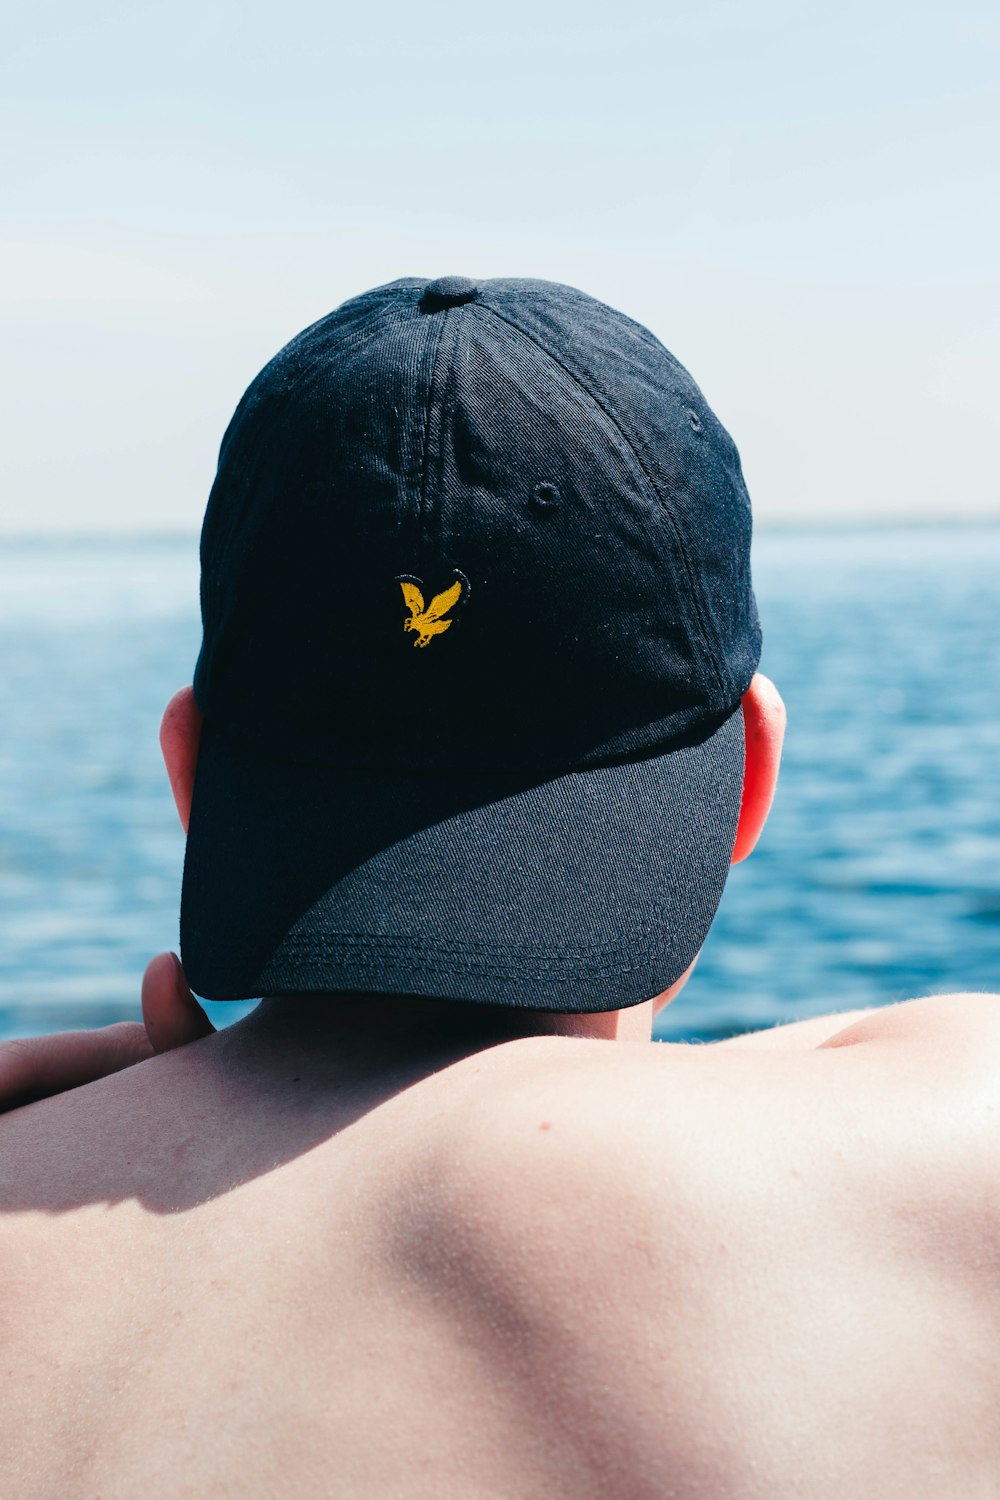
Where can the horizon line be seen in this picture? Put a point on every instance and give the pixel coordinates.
(164, 536)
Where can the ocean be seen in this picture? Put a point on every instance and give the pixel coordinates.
(876, 879)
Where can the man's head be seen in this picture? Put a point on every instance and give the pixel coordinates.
(478, 626)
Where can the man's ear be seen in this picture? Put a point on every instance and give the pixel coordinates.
(764, 731)
(180, 734)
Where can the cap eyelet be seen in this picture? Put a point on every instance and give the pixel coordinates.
(694, 421)
(545, 496)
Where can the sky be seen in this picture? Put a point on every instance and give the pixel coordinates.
(801, 201)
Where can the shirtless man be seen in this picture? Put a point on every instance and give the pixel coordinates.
(477, 1237)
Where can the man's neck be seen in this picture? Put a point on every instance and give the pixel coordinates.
(363, 1035)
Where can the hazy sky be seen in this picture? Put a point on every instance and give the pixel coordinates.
(800, 200)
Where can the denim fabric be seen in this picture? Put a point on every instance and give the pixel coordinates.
(388, 441)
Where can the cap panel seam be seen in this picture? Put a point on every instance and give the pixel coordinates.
(425, 457)
(304, 365)
(646, 335)
(604, 406)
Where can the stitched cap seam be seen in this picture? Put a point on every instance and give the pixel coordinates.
(603, 404)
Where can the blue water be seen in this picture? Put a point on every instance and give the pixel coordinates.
(878, 876)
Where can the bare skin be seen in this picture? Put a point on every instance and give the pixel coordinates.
(416, 1252)
(39, 1066)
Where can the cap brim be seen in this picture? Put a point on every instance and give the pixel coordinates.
(588, 891)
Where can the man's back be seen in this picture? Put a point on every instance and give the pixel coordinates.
(555, 1267)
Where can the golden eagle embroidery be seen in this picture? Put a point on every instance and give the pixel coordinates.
(427, 622)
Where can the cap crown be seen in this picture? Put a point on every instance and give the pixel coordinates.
(531, 455)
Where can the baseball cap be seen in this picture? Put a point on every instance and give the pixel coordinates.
(478, 618)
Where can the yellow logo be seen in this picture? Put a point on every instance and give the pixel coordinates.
(426, 622)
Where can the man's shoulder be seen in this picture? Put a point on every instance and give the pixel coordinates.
(595, 1142)
(681, 1229)
(572, 1092)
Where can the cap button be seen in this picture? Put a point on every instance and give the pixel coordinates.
(448, 291)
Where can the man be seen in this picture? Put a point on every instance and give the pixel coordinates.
(475, 732)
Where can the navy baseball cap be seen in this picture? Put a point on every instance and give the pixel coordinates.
(477, 619)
